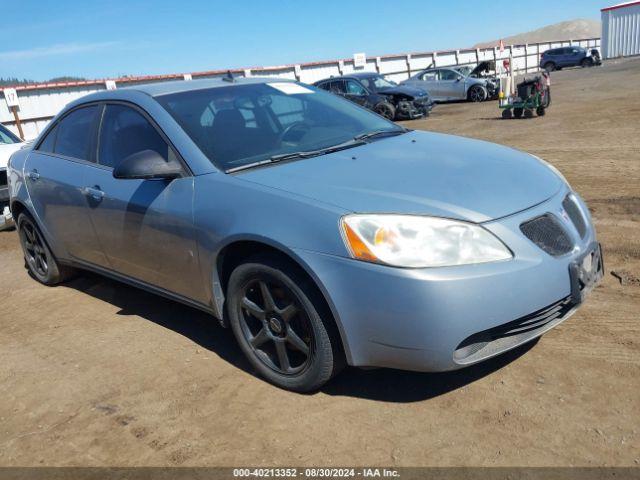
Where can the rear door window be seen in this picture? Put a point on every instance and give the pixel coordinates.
(430, 76)
(75, 133)
(124, 132)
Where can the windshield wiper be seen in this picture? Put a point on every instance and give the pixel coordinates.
(302, 154)
(380, 133)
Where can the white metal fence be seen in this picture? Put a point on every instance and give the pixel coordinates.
(40, 103)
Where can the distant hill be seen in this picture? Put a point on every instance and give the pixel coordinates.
(569, 30)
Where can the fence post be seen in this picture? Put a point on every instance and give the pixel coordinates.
(297, 71)
(340, 66)
(526, 58)
(409, 64)
(477, 55)
(247, 72)
(434, 57)
(18, 124)
(378, 61)
(457, 57)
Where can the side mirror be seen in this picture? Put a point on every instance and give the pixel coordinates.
(458, 78)
(147, 165)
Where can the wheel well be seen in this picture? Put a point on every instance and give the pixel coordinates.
(236, 253)
(16, 209)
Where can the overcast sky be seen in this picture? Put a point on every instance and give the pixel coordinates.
(95, 39)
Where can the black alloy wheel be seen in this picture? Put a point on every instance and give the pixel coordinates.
(281, 325)
(34, 250)
(276, 326)
(39, 260)
(385, 109)
(477, 94)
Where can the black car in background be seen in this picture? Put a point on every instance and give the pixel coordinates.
(373, 91)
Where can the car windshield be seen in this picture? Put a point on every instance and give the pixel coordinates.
(7, 137)
(379, 83)
(242, 125)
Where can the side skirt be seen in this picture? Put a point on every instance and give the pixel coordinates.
(143, 286)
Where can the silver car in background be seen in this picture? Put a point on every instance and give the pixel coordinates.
(448, 83)
(320, 232)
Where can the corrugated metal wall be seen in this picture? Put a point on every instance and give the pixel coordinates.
(621, 31)
(38, 104)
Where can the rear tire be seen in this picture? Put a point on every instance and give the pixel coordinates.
(541, 111)
(528, 113)
(385, 109)
(517, 112)
(549, 66)
(506, 113)
(39, 260)
(281, 325)
(586, 62)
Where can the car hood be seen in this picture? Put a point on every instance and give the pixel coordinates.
(419, 173)
(403, 90)
(6, 149)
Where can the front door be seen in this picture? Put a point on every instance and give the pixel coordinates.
(55, 174)
(357, 93)
(451, 84)
(145, 226)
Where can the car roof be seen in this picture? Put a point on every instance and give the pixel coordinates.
(351, 75)
(177, 86)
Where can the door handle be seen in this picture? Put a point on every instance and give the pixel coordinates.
(94, 192)
(33, 175)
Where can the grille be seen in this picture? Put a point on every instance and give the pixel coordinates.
(509, 334)
(3, 178)
(547, 233)
(575, 215)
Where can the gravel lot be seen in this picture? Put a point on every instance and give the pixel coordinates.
(98, 373)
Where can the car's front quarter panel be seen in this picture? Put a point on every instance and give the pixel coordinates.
(229, 209)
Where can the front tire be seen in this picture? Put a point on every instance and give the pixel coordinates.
(38, 258)
(281, 325)
(517, 112)
(477, 94)
(387, 110)
(549, 66)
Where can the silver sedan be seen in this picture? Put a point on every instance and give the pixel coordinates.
(444, 84)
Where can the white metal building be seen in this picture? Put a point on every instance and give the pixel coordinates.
(621, 30)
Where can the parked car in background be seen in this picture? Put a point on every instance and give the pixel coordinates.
(447, 83)
(325, 233)
(9, 143)
(387, 98)
(558, 58)
(485, 71)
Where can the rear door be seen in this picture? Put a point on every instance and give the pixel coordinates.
(55, 173)
(145, 226)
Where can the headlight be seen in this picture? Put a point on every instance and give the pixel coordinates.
(416, 241)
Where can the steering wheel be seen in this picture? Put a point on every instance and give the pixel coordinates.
(299, 125)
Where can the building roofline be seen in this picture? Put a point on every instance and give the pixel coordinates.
(620, 5)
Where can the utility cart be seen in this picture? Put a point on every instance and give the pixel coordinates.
(533, 94)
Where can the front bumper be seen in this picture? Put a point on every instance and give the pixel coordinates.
(424, 319)
(408, 109)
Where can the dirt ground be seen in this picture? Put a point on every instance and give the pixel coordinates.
(96, 373)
